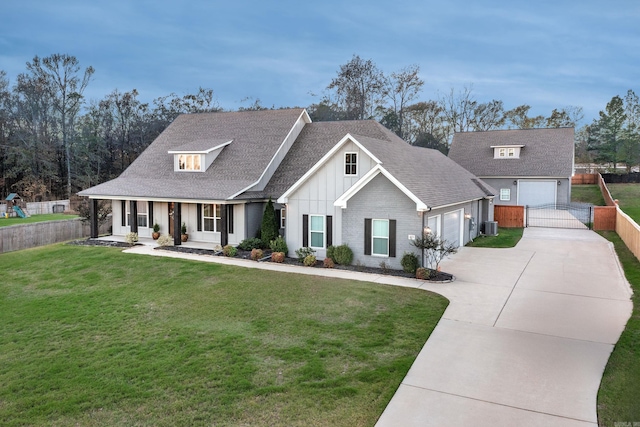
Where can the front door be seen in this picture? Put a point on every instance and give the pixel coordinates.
(170, 218)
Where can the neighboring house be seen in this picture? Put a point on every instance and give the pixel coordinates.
(526, 166)
(351, 182)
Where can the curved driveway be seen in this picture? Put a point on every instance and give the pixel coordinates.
(525, 339)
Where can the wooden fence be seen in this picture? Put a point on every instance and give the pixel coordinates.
(608, 200)
(604, 218)
(25, 236)
(628, 231)
(509, 216)
(584, 178)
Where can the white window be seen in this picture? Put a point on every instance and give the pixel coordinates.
(188, 162)
(511, 152)
(505, 194)
(316, 231)
(283, 217)
(211, 217)
(507, 152)
(502, 152)
(351, 164)
(380, 237)
(143, 214)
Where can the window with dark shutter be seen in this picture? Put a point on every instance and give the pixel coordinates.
(329, 230)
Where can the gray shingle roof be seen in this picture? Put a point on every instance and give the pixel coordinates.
(256, 137)
(431, 176)
(546, 152)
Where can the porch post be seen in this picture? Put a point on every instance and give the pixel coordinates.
(93, 217)
(133, 219)
(177, 223)
(224, 230)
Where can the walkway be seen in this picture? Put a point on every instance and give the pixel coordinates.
(524, 340)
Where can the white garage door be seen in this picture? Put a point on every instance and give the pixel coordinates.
(452, 229)
(536, 193)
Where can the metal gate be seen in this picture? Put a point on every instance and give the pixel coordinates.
(575, 215)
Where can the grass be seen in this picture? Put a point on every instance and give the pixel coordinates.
(91, 336)
(587, 194)
(34, 218)
(619, 394)
(628, 196)
(506, 238)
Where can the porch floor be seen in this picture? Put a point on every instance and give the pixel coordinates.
(147, 241)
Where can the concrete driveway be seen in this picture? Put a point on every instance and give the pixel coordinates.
(525, 339)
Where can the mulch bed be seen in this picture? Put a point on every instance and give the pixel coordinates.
(439, 277)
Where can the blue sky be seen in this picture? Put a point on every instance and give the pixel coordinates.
(548, 54)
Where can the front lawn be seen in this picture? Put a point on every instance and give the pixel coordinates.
(34, 218)
(91, 336)
(506, 238)
(628, 196)
(619, 394)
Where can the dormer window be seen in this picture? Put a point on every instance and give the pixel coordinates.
(506, 151)
(189, 162)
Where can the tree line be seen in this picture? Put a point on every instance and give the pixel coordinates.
(54, 142)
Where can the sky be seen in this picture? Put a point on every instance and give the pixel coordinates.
(547, 54)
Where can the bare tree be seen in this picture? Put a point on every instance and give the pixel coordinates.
(60, 72)
(358, 88)
(402, 87)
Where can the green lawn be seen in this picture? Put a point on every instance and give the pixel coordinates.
(619, 394)
(628, 196)
(91, 336)
(506, 238)
(34, 218)
(587, 194)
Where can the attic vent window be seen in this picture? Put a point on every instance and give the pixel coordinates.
(351, 164)
(507, 152)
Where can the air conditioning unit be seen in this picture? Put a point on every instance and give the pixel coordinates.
(491, 228)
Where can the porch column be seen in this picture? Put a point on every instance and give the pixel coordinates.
(133, 219)
(177, 223)
(224, 229)
(93, 217)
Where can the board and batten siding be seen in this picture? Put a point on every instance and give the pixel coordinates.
(317, 195)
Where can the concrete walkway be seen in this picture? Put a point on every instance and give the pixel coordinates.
(524, 340)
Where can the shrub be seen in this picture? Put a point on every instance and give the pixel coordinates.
(423, 273)
(269, 227)
(256, 254)
(328, 263)
(165, 240)
(183, 229)
(384, 267)
(156, 228)
(302, 253)
(310, 260)
(250, 244)
(229, 251)
(410, 262)
(331, 252)
(277, 257)
(279, 245)
(131, 238)
(342, 255)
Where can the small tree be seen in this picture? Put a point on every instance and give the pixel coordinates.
(434, 249)
(269, 227)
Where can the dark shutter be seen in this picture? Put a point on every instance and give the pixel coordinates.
(151, 221)
(367, 236)
(392, 238)
(133, 219)
(279, 217)
(305, 230)
(199, 215)
(224, 233)
(329, 230)
(230, 219)
(123, 216)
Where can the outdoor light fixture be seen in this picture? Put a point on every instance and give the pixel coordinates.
(515, 182)
(467, 216)
(558, 183)
(427, 230)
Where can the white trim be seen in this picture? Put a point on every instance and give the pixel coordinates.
(362, 182)
(200, 151)
(508, 146)
(303, 116)
(322, 161)
(324, 231)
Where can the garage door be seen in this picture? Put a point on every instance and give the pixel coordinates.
(537, 193)
(452, 230)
